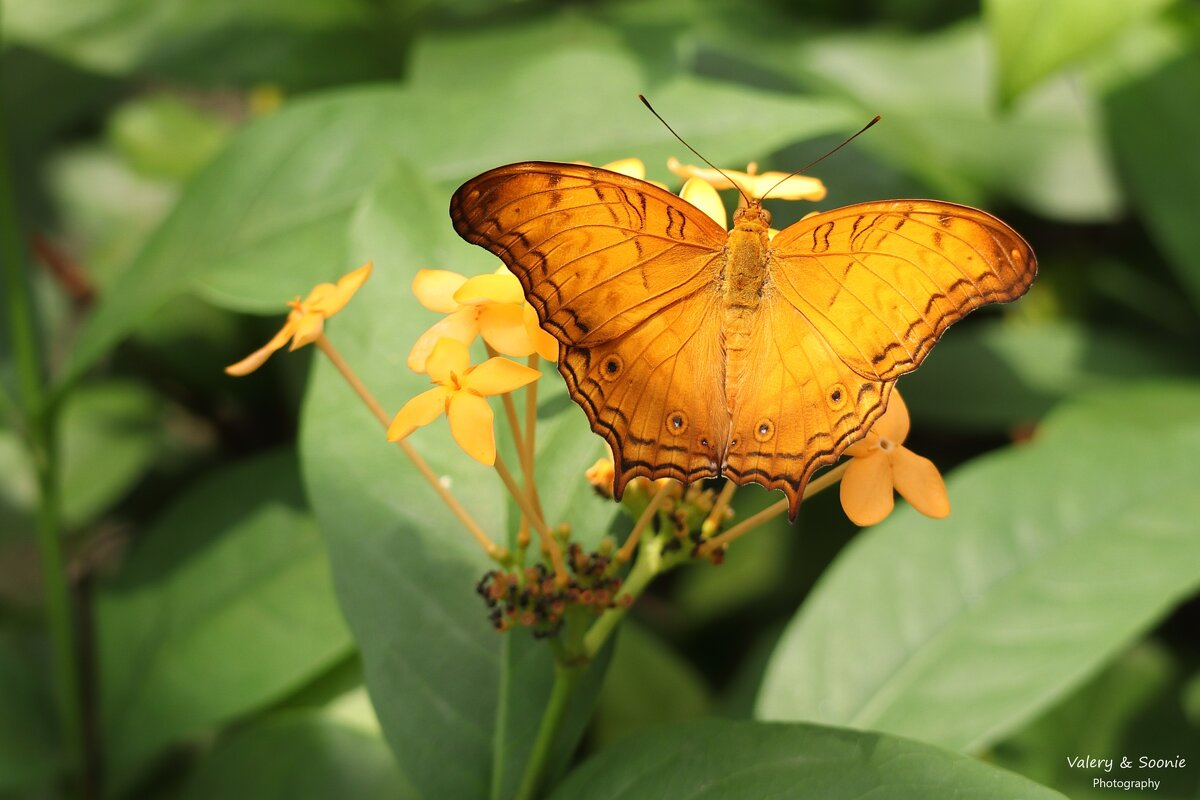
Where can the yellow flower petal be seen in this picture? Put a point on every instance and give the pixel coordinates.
(259, 356)
(333, 301)
(499, 376)
(462, 325)
(633, 167)
(471, 425)
(421, 410)
(449, 358)
(545, 344)
(490, 289)
(703, 196)
(502, 325)
(919, 482)
(435, 289)
(864, 447)
(894, 423)
(308, 328)
(867, 490)
(796, 187)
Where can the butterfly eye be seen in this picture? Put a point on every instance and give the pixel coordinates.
(837, 396)
(612, 367)
(677, 422)
(764, 431)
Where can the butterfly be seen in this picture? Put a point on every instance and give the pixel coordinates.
(697, 352)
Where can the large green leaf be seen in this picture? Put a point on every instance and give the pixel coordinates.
(933, 92)
(224, 606)
(1034, 39)
(267, 218)
(730, 760)
(299, 755)
(1057, 555)
(996, 374)
(1132, 708)
(1146, 120)
(299, 43)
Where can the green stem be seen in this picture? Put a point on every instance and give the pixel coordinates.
(650, 563)
(39, 416)
(566, 678)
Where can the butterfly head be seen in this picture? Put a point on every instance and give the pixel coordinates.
(752, 217)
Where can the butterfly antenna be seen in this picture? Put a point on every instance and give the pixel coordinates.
(732, 182)
(822, 158)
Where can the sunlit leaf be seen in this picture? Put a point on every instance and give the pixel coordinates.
(1057, 554)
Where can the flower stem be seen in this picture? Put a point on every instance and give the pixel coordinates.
(770, 512)
(422, 466)
(643, 522)
(566, 678)
(650, 562)
(38, 413)
(717, 515)
(549, 545)
(523, 443)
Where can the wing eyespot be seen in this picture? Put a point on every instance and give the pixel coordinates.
(837, 396)
(764, 430)
(677, 423)
(613, 367)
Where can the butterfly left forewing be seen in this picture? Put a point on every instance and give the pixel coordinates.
(597, 252)
(882, 281)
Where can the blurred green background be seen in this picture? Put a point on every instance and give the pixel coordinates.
(244, 555)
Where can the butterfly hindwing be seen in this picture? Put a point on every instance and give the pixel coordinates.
(655, 394)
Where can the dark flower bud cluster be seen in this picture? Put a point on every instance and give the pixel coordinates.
(533, 599)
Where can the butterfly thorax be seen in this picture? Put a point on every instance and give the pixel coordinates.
(743, 285)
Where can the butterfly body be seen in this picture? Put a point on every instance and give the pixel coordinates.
(697, 352)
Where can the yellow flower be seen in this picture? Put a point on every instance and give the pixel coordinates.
(600, 475)
(306, 320)
(459, 394)
(492, 306)
(795, 187)
(881, 463)
(703, 195)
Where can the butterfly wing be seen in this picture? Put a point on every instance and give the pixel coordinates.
(882, 281)
(622, 273)
(798, 405)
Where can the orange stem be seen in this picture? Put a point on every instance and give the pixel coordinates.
(770, 512)
(422, 466)
(549, 545)
(643, 522)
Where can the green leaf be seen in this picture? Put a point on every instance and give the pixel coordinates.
(163, 136)
(300, 43)
(111, 434)
(1033, 39)
(296, 756)
(1131, 708)
(723, 759)
(1142, 114)
(648, 683)
(996, 374)
(268, 218)
(1057, 555)
(938, 123)
(224, 607)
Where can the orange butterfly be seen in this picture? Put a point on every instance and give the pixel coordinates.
(697, 352)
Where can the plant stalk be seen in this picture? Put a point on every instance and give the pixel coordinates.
(566, 678)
